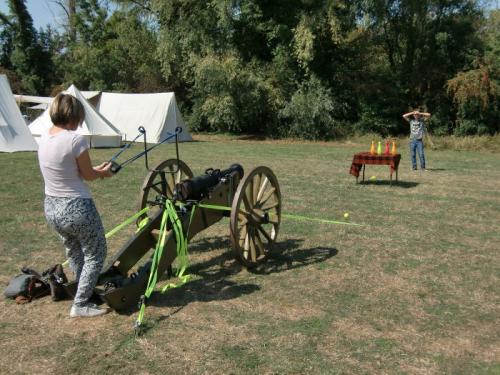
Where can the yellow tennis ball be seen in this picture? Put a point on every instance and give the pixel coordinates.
(346, 215)
(373, 178)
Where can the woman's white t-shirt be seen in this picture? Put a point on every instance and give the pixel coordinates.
(57, 155)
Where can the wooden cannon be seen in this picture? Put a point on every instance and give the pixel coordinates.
(251, 200)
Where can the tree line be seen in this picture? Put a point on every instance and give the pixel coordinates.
(284, 68)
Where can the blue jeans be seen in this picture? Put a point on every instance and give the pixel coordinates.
(416, 145)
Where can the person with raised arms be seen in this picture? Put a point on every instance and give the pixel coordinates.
(417, 130)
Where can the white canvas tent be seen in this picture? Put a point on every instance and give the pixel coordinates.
(157, 113)
(98, 131)
(14, 134)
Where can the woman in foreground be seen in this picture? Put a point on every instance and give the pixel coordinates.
(65, 163)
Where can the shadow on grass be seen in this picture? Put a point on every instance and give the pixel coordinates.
(209, 243)
(288, 255)
(285, 255)
(399, 184)
(213, 284)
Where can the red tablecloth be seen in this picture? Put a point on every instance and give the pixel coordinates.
(366, 158)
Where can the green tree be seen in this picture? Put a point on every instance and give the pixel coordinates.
(25, 51)
(476, 92)
(423, 44)
(111, 52)
(245, 61)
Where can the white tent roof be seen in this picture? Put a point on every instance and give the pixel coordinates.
(90, 94)
(98, 131)
(43, 106)
(48, 99)
(33, 99)
(14, 134)
(157, 113)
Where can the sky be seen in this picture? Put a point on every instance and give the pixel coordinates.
(43, 12)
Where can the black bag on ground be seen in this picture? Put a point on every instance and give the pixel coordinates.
(30, 284)
(26, 286)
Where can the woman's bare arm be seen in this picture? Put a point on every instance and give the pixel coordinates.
(90, 173)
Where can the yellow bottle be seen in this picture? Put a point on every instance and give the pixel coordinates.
(394, 150)
(372, 148)
(379, 148)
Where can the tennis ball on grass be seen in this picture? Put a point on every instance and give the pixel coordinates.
(373, 178)
(346, 215)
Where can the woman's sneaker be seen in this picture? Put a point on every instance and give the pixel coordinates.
(87, 311)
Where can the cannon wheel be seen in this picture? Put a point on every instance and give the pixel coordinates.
(153, 185)
(255, 216)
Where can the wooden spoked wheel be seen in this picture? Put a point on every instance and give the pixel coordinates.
(255, 216)
(154, 185)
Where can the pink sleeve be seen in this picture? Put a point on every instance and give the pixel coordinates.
(79, 145)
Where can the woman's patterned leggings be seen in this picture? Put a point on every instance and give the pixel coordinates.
(79, 225)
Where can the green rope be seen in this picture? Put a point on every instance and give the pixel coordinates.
(153, 273)
(214, 207)
(298, 217)
(128, 221)
(182, 256)
(181, 248)
(288, 216)
(169, 214)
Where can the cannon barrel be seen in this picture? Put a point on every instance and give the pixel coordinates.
(198, 187)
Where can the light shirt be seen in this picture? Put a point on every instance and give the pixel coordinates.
(417, 129)
(57, 158)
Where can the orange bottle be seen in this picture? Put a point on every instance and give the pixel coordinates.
(394, 151)
(372, 148)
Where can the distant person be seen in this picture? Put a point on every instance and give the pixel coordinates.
(65, 163)
(417, 129)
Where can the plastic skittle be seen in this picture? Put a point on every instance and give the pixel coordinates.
(393, 151)
(372, 148)
(386, 151)
(379, 148)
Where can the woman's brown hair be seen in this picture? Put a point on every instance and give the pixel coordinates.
(66, 110)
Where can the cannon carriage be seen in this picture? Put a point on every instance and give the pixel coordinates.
(251, 201)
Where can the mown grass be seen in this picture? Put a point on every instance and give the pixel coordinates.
(413, 291)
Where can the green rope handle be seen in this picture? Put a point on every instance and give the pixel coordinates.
(153, 273)
(169, 214)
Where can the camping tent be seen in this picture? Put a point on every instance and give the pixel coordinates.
(98, 131)
(14, 134)
(157, 113)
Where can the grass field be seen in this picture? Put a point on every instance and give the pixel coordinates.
(416, 290)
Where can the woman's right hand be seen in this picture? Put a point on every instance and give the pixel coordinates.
(104, 169)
